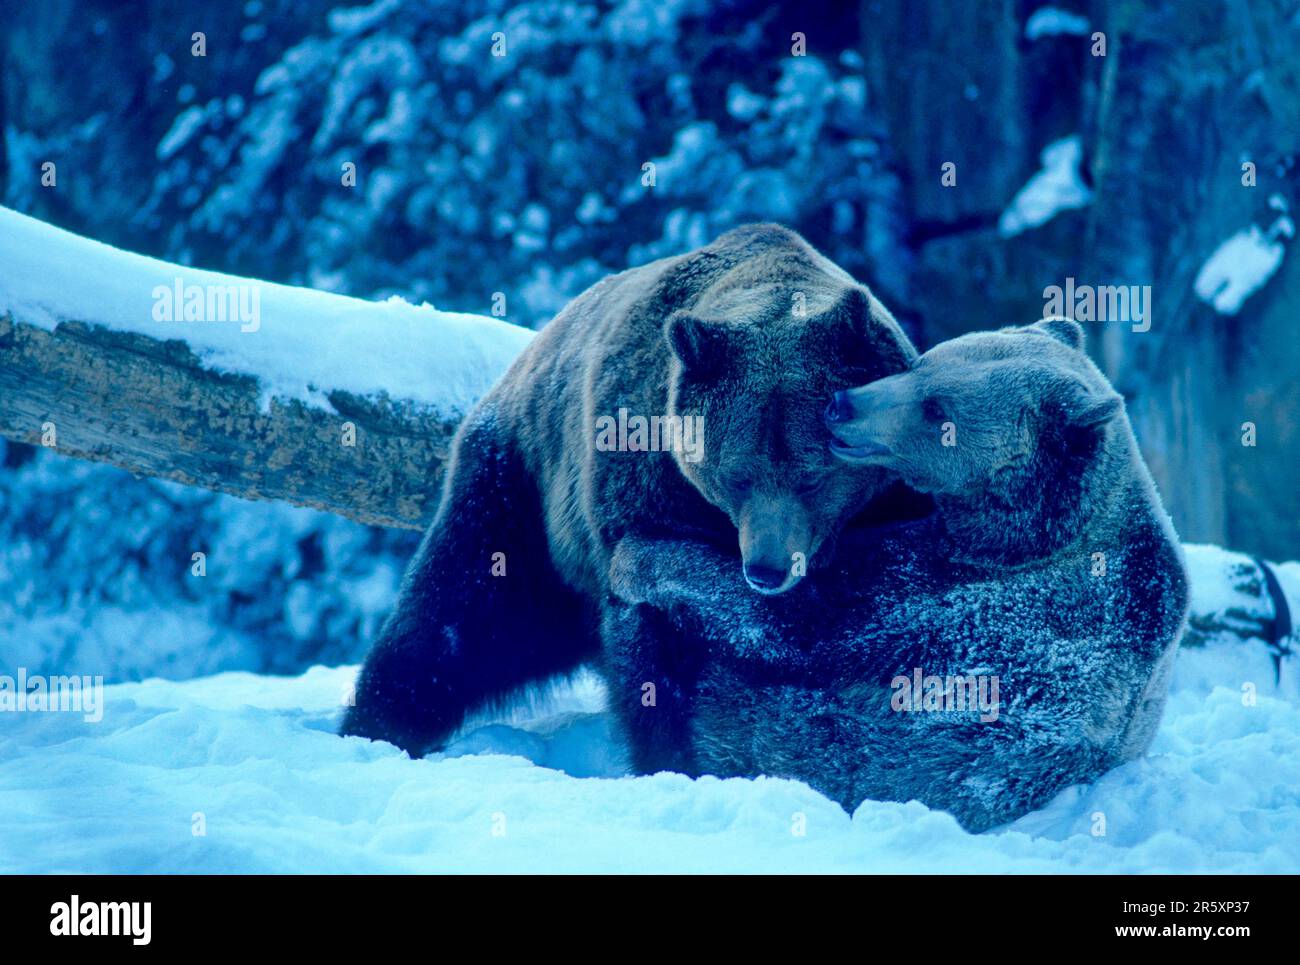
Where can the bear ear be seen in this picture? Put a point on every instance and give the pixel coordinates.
(1088, 409)
(699, 344)
(868, 336)
(852, 312)
(1062, 329)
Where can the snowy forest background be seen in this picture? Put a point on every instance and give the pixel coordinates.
(522, 175)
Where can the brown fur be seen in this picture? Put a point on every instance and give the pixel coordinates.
(752, 333)
(760, 386)
(1049, 566)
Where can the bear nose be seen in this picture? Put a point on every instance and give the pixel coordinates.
(839, 410)
(762, 577)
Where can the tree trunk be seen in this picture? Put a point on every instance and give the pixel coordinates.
(154, 409)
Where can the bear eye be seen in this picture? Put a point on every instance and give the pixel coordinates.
(933, 411)
(809, 488)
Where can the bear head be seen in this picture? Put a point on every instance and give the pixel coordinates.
(980, 412)
(757, 382)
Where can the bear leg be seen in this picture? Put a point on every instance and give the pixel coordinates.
(481, 612)
(651, 678)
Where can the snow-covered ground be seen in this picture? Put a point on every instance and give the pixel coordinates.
(253, 763)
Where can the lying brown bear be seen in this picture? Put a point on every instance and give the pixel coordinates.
(1049, 578)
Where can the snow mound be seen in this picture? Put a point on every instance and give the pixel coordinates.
(253, 763)
(298, 342)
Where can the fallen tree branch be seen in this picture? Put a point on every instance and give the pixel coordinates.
(1230, 599)
(290, 400)
(154, 409)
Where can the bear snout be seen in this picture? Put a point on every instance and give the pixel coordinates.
(765, 579)
(839, 410)
(774, 530)
(860, 420)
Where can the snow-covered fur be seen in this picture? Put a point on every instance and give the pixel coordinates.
(1049, 565)
(747, 336)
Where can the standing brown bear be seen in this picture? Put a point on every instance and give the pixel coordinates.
(594, 434)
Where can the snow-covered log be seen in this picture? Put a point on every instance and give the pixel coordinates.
(247, 387)
(1231, 598)
(267, 391)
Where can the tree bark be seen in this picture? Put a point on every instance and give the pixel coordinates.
(152, 408)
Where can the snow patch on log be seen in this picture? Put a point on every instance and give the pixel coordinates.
(302, 344)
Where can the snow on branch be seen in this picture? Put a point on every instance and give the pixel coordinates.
(247, 387)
